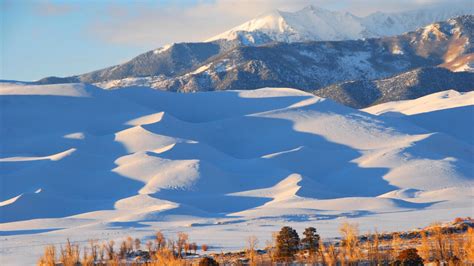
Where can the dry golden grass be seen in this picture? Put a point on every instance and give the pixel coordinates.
(451, 244)
(329, 254)
(49, 256)
(69, 254)
(425, 248)
(350, 251)
(469, 245)
(166, 257)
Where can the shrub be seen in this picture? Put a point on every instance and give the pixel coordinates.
(208, 261)
(166, 257)
(69, 255)
(409, 257)
(49, 257)
(469, 245)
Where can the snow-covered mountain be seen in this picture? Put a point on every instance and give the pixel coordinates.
(317, 24)
(313, 66)
(180, 66)
(85, 163)
(308, 24)
(189, 67)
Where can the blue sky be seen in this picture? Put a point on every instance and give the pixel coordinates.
(61, 38)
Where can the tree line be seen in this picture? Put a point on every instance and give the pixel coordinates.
(442, 245)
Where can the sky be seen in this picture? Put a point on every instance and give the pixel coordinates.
(42, 38)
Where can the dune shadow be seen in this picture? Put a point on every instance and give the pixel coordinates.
(459, 122)
(125, 225)
(202, 106)
(328, 169)
(215, 204)
(28, 232)
(84, 182)
(78, 183)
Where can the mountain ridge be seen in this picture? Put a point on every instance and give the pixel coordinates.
(309, 66)
(315, 65)
(314, 23)
(176, 59)
(408, 85)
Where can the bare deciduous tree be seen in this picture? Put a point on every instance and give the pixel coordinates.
(109, 248)
(137, 244)
(350, 243)
(160, 240)
(181, 242)
(251, 251)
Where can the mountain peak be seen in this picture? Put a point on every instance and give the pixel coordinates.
(314, 8)
(314, 23)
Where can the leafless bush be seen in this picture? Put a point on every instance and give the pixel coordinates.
(49, 256)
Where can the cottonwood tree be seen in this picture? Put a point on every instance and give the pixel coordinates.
(251, 251)
(287, 244)
(171, 245)
(102, 249)
(187, 248)
(439, 241)
(87, 259)
(129, 244)
(137, 244)
(425, 247)
(94, 247)
(350, 243)
(181, 242)
(69, 255)
(329, 254)
(373, 248)
(123, 250)
(194, 247)
(468, 246)
(149, 246)
(109, 248)
(160, 240)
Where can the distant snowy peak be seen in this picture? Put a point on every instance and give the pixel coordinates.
(386, 24)
(310, 23)
(317, 24)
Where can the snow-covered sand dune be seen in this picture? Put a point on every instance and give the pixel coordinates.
(79, 162)
(441, 112)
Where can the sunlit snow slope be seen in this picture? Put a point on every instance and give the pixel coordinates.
(80, 162)
(313, 23)
(439, 112)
